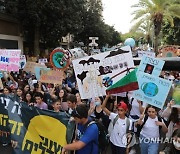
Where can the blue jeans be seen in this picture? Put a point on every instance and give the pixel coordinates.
(148, 147)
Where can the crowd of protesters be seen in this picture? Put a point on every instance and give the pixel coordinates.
(119, 114)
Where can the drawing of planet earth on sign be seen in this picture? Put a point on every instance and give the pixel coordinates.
(150, 89)
(60, 59)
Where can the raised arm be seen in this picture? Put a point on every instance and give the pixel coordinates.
(91, 109)
(166, 113)
(141, 108)
(104, 105)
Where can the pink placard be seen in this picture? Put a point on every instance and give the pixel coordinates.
(9, 60)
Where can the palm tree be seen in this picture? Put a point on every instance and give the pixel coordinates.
(145, 28)
(156, 11)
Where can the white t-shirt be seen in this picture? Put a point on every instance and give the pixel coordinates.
(150, 129)
(119, 130)
(135, 107)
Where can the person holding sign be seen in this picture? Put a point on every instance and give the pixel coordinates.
(121, 126)
(149, 126)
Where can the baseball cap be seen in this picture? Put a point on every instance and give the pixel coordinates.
(122, 105)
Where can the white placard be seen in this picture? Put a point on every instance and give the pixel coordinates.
(92, 71)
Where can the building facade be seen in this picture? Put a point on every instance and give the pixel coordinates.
(10, 33)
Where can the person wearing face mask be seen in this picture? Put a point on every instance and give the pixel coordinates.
(97, 111)
(174, 147)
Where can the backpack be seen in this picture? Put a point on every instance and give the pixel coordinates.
(127, 122)
(112, 123)
(139, 127)
(103, 136)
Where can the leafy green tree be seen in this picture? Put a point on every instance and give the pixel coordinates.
(93, 25)
(171, 35)
(144, 30)
(45, 21)
(156, 11)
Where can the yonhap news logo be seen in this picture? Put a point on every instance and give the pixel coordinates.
(130, 139)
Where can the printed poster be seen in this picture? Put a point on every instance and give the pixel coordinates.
(94, 74)
(151, 65)
(152, 90)
(9, 60)
(22, 62)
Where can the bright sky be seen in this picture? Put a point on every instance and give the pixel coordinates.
(117, 13)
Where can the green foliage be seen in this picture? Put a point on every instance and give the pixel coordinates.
(134, 35)
(156, 11)
(46, 21)
(93, 25)
(171, 35)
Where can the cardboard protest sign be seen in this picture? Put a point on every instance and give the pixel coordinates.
(32, 59)
(22, 61)
(147, 53)
(152, 90)
(1, 74)
(38, 71)
(9, 60)
(150, 65)
(51, 76)
(94, 74)
(30, 67)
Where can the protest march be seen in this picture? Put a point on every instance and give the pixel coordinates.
(101, 103)
(89, 77)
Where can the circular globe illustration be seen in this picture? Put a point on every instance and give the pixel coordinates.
(59, 59)
(150, 89)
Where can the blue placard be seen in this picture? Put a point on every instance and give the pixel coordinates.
(1, 74)
(152, 90)
(151, 65)
(37, 71)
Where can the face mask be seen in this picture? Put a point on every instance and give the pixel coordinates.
(97, 103)
(176, 144)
